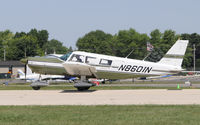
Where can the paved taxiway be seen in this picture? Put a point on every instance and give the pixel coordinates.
(99, 97)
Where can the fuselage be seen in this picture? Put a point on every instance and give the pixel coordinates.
(100, 66)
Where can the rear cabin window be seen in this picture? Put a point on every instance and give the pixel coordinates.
(105, 62)
(77, 58)
(90, 60)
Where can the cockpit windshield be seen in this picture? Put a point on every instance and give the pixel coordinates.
(66, 56)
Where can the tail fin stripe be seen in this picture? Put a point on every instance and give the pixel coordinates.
(173, 56)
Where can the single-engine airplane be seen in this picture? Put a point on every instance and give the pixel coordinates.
(89, 65)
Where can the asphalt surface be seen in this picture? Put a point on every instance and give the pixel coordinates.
(100, 97)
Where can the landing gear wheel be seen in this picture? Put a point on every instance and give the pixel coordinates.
(36, 87)
(82, 88)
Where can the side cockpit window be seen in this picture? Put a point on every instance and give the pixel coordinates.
(105, 62)
(77, 58)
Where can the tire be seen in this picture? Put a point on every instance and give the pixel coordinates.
(83, 88)
(36, 87)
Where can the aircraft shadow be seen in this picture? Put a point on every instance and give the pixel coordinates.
(76, 91)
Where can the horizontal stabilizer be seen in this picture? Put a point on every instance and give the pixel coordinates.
(20, 72)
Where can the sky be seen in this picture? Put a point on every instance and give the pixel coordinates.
(68, 20)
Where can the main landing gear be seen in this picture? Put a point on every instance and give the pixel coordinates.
(36, 87)
(83, 85)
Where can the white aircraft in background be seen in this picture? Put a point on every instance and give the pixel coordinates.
(154, 77)
(89, 65)
(35, 77)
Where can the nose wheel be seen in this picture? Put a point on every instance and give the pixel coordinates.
(36, 87)
(38, 84)
(82, 88)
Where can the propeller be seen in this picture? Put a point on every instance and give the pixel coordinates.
(25, 61)
(26, 69)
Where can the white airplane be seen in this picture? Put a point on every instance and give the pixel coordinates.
(35, 77)
(89, 65)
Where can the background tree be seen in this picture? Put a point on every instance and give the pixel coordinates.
(155, 40)
(193, 38)
(5, 37)
(155, 37)
(55, 46)
(70, 49)
(22, 47)
(162, 42)
(95, 42)
(42, 36)
(128, 40)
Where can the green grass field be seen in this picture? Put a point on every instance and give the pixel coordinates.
(100, 115)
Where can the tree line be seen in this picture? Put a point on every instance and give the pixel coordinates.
(33, 43)
(36, 43)
(125, 41)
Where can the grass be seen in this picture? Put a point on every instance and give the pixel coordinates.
(101, 115)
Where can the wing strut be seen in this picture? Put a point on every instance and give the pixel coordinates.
(129, 53)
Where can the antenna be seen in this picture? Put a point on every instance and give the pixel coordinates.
(129, 53)
(146, 56)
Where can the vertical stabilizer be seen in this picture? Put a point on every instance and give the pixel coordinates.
(175, 54)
